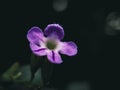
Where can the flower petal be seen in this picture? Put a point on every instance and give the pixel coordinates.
(69, 48)
(38, 50)
(54, 30)
(54, 57)
(35, 34)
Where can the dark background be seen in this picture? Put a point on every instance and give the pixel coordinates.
(97, 60)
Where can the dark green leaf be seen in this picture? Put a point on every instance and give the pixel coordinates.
(24, 74)
(8, 75)
(37, 81)
(47, 70)
(36, 62)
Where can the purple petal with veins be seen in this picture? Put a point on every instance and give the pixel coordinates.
(37, 50)
(69, 48)
(35, 35)
(54, 30)
(40, 49)
(53, 55)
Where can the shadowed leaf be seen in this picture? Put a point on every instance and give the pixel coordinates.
(47, 70)
(8, 75)
(36, 62)
(43, 63)
(26, 76)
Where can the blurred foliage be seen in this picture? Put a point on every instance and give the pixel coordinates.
(44, 64)
(36, 74)
(22, 74)
(35, 63)
(47, 69)
(9, 74)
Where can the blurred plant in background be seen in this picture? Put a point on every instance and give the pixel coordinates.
(112, 26)
(78, 86)
(60, 5)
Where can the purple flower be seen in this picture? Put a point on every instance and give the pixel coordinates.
(49, 43)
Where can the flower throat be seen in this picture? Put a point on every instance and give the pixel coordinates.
(51, 45)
